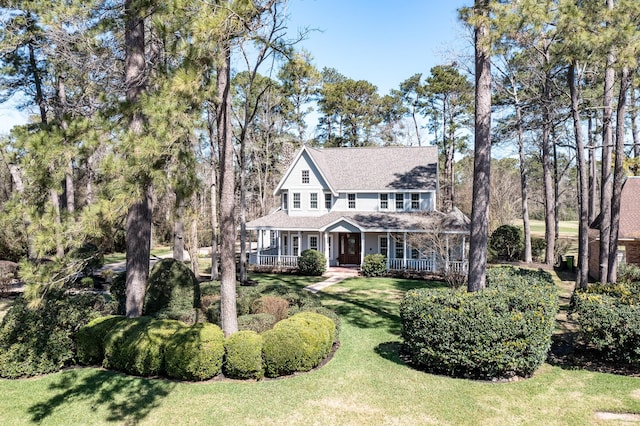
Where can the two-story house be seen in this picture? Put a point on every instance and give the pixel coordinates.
(350, 202)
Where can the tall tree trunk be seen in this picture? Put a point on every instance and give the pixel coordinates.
(69, 185)
(633, 116)
(606, 182)
(524, 188)
(482, 156)
(16, 175)
(582, 278)
(593, 179)
(55, 202)
(213, 190)
(37, 83)
(228, 315)
(549, 197)
(178, 229)
(243, 211)
(139, 215)
(194, 241)
(619, 176)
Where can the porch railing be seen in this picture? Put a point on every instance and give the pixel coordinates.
(273, 260)
(426, 265)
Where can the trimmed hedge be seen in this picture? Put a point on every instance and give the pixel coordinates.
(173, 292)
(42, 340)
(256, 322)
(322, 311)
(298, 343)
(499, 332)
(609, 319)
(312, 263)
(243, 355)
(374, 265)
(195, 353)
(90, 339)
(137, 345)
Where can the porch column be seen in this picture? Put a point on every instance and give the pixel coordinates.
(325, 242)
(259, 245)
(299, 243)
(464, 242)
(388, 248)
(362, 248)
(404, 250)
(279, 246)
(446, 267)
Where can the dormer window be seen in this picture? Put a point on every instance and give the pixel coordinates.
(285, 201)
(313, 201)
(305, 176)
(296, 200)
(327, 201)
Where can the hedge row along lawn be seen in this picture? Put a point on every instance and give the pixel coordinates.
(365, 383)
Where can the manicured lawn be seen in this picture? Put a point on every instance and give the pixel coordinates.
(365, 383)
(568, 229)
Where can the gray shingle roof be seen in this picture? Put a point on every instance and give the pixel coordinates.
(367, 221)
(378, 168)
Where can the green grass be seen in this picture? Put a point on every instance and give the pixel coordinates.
(568, 229)
(121, 257)
(365, 383)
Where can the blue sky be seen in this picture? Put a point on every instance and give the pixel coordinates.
(381, 41)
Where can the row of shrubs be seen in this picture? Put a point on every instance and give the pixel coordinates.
(499, 332)
(608, 316)
(149, 347)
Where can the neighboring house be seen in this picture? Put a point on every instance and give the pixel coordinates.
(350, 202)
(629, 233)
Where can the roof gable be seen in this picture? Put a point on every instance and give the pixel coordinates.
(379, 168)
(303, 155)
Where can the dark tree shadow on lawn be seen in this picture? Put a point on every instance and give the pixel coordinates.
(128, 399)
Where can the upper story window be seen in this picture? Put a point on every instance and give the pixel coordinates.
(384, 201)
(400, 201)
(285, 201)
(415, 201)
(296, 200)
(305, 176)
(327, 201)
(351, 201)
(313, 200)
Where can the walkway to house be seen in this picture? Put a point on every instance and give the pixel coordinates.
(334, 275)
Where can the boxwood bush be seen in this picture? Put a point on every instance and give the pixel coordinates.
(374, 265)
(608, 317)
(42, 340)
(506, 241)
(173, 292)
(90, 339)
(243, 355)
(298, 343)
(137, 345)
(195, 353)
(312, 263)
(499, 332)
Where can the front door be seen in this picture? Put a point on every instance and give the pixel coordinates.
(349, 253)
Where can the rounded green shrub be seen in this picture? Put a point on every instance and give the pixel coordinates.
(137, 345)
(90, 339)
(608, 317)
(173, 292)
(312, 263)
(506, 241)
(243, 355)
(195, 353)
(322, 311)
(256, 322)
(42, 340)
(374, 265)
(298, 343)
(499, 332)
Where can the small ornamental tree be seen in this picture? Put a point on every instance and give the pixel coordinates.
(506, 240)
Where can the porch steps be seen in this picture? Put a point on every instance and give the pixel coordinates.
(334, 275)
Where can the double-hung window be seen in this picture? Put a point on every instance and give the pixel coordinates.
(313, 242)
(415, 201)
(400, 201)
(296, 200)
(351, 203)
(285, 201)
(384, 201)
(327, 201)
(384, 246)
(399, 250)
(313, 200)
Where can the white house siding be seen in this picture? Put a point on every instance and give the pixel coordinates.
(293, 184)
